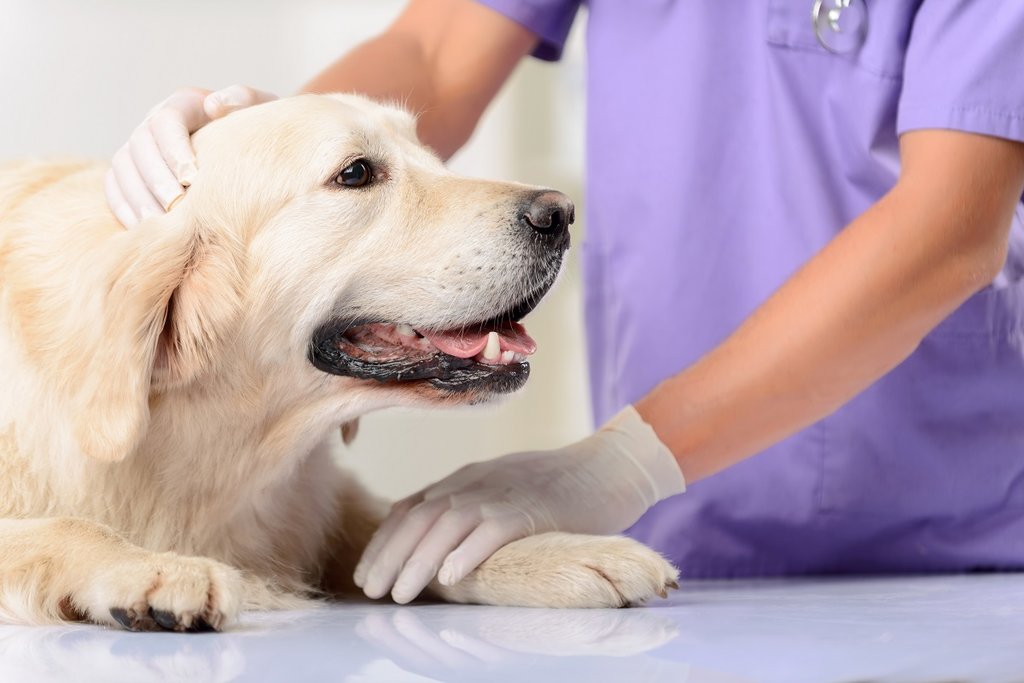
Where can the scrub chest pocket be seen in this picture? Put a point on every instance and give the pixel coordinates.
(870, 35)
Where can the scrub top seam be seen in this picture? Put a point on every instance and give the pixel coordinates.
(820, 52)
(1001, 113)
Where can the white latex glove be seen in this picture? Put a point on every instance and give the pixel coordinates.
(600, 485)
(150, 172)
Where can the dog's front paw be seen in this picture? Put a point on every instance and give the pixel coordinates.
(618, 572)
(567, 570)
(163, 591)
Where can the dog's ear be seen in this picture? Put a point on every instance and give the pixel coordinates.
(200, 313)
(183, 295)
(128, 309)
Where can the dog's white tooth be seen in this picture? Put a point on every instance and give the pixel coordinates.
(493, 349)
(405, 330)
(519, 357)
(508, 356)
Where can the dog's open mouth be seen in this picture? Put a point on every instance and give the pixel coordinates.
(490, 355)
(387, 342)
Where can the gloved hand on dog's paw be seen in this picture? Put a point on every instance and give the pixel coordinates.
(150, 171)
(599, 485)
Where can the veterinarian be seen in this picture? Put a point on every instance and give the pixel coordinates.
(805, 241)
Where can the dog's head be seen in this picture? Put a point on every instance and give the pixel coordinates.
(323, 249)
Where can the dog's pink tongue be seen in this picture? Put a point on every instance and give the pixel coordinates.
(461, 345)
(468, 343)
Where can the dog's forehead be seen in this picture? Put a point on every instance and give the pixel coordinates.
(313, 132)
(329, 126)
(358, 114)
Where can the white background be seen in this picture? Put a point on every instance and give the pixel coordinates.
(77, 75)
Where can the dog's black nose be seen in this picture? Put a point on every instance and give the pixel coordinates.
(550, 213)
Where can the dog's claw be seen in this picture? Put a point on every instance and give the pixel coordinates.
(165, 619)
(157, 620)
(132, 620)
(121, 616)
(200, 625)
(170, 622)
(671, 584)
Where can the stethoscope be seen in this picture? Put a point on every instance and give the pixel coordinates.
(840, 25)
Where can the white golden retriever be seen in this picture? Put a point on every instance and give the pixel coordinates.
(169, 392)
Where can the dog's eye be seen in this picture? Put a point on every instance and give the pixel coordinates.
(356, 174)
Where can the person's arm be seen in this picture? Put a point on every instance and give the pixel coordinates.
(847, 317)
(444, 60)
(855, 311)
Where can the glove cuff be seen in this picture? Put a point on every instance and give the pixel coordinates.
(637, 440)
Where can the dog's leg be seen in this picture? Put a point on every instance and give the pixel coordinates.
(68, 569)
(566, 570)
(548, 570)
(359, 514)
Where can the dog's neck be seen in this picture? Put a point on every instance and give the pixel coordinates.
(221, 476)
(233, 438)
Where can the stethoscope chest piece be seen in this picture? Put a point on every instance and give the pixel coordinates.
(841, 26)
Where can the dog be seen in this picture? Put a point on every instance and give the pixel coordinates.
(171, 394)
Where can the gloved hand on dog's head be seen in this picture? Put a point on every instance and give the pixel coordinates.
(150, 171)
(600, 485)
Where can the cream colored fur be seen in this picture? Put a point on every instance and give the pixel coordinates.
(165, 444)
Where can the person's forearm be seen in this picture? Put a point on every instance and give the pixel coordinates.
(393, 68)
(850, 315)
(443, 60)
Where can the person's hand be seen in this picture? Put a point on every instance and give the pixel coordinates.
(599, 485)
(151, 171)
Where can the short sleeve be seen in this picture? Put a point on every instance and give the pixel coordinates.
(550, 20)
(964, 68)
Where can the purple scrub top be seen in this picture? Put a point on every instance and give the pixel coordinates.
(726, 146)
